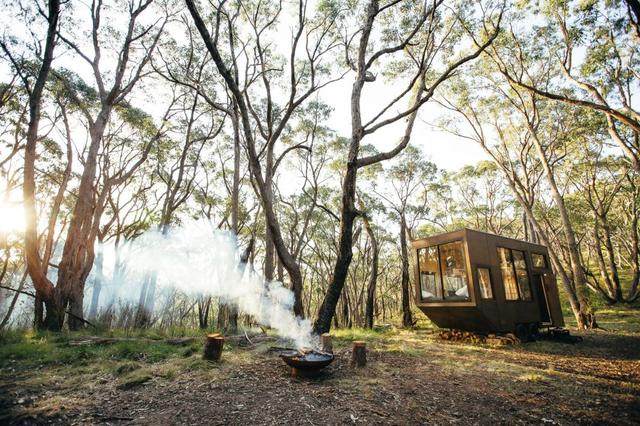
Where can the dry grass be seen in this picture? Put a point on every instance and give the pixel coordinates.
(411, 377)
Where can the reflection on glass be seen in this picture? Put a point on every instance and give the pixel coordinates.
(522, 275)
(430, 287)
(539, 260)
(454, 272)
(484, 282)
(508, 276)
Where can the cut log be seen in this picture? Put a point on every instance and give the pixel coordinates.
(325, 341)
(513, 339)
(213, 347)
(359, 354)
(497, 341)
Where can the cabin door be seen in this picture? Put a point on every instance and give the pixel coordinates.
(541, 298)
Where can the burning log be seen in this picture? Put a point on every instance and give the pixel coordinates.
(213, 347)
(359, 354)
(325, 342)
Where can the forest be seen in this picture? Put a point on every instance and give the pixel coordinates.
(259, 175)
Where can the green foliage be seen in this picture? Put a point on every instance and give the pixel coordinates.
(36, 349)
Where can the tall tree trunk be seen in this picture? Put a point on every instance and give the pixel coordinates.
(345, 310)
(279, 271)
(141, 315)
(559, 269)
(150, 301)
(44, 287)
(373, 276)
(608, 292)
(269, 249)
(529, 233)
(204, 303)
(38, 311)
(348, 212)
(289, 262)
(635, 252)
(117, 279)
(269, 252)
(229, 314)
(97, 283)
(407, 320)
(341, 269)
(78, 252)
(586, 318)
(611, 258)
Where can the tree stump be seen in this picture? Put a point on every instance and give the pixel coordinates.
(325, 342)
(359, 354)
(213, 347)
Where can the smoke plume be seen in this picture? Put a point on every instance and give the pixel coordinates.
(201, 260)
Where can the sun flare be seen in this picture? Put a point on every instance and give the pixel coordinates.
(11, 218)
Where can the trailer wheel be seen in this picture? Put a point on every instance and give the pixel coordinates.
(522, 332)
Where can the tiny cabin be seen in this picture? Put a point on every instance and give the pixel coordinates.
(481, 282)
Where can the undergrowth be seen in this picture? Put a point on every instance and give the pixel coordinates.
(35, 349)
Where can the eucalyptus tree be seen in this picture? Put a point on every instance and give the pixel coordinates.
(181, 62)
(542, 120)
(510, 126)
(306, 169)
(594, 48)
(484, 203)
(418, 40)
(303, 72)
(605, 185)
(373, 234)
(629, 214)
(34, 85)
(404, 191)
(194, 125)
(128, 210)
(96, 106)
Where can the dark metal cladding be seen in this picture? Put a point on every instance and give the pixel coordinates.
(476, 281)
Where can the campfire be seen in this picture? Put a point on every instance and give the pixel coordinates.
(306, 362)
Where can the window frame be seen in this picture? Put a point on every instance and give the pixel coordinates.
(438, 276)
(470, 299)
(544, 258)
(488, 269)
(513, 271)
(515, 274)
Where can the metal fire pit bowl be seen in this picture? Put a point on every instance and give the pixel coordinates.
(306, 363)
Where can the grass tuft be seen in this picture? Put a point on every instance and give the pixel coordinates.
(125, 368)
(133, 380)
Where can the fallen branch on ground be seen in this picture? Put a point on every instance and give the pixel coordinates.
(98, 340)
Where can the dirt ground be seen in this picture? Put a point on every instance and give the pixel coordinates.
(411, 378)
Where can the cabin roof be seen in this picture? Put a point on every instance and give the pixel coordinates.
(491, 234)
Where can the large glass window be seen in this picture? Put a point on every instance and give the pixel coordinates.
(508, 276)
(430, 287)
(522, 275)
(515, 276)
(454, 271)
(484, 282)
(443, 272)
